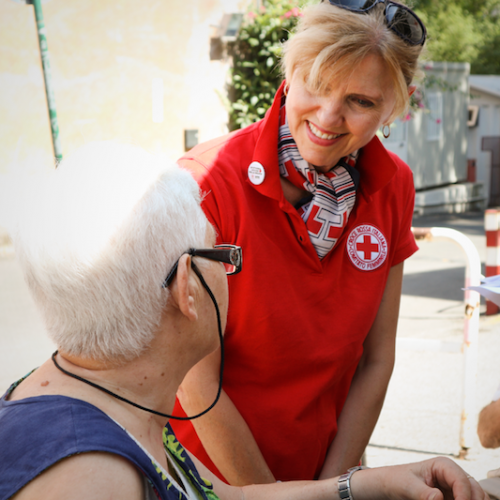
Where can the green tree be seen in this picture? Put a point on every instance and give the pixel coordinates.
(453, 34)
(256, 73)
(487, 61)
(463, 31)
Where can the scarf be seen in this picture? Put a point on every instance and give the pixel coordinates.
(333, 194)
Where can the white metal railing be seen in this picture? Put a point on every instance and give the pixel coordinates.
(471, 327)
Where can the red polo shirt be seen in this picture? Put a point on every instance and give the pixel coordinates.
(296, 324)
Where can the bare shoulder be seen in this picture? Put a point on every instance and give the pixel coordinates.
(93, 475)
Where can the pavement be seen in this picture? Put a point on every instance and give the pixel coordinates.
(421, 414)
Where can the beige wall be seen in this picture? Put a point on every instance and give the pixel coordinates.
(105, 55)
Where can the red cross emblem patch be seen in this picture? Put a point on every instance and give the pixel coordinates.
(367, 247)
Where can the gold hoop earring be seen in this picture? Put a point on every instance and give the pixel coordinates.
(388, 133)
(285, 90)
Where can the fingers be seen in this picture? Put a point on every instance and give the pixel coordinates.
(443, 480)
(451, 479)
(477, 492)
(434, 494)
(454, 482)
(429, 493)
(435, 479)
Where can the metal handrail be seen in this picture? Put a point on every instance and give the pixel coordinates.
(471, 327)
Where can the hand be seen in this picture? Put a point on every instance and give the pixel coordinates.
(435, 479)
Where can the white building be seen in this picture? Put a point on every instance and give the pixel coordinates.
(434, 142)
(484, 134)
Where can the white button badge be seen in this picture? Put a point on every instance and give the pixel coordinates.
(256, 173)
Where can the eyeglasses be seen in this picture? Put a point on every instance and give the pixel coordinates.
(400, 19)
(229, 255)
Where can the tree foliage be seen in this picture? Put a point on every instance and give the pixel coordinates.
(459, 31)
(463, 31)
(256, 73)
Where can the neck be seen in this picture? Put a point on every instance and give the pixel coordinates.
(292, 193)
(148, 381)
(127, 393)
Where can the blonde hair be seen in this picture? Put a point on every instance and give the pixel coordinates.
(98, 243)
(331, 41)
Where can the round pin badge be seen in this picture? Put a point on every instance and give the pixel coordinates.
(256, 173)
(367, 247)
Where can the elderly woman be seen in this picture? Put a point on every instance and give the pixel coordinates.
(121, 261)
(323, 212)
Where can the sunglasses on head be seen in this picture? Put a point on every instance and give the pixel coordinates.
(400, 19)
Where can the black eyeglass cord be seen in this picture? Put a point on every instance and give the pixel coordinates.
(121, 398)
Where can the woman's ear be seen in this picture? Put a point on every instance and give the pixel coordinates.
(183, 288)
(411, 89)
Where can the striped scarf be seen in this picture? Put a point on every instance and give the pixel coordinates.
(333, 194)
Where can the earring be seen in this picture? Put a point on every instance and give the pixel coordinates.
(387, 133)
(285, 90)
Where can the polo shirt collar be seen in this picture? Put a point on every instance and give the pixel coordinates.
(266, 150)
(375, 165)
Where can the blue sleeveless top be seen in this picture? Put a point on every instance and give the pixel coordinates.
(37, 432)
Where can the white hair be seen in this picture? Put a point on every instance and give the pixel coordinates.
(104, 232)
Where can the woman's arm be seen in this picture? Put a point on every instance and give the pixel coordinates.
(223, 431)
(369, 385)
(435, 479)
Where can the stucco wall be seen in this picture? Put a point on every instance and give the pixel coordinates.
(105, 55)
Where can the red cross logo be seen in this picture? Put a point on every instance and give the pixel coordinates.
(367, 247)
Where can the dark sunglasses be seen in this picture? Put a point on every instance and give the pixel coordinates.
(400, 19)
(229, 255)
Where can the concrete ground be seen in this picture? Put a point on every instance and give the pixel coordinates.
(421, 415)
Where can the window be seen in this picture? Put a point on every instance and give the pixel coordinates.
(473, 115)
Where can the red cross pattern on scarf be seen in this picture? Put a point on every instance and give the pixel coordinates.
(333, 193)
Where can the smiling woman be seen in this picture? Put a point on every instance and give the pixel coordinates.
(329, 127)
(323, 212)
